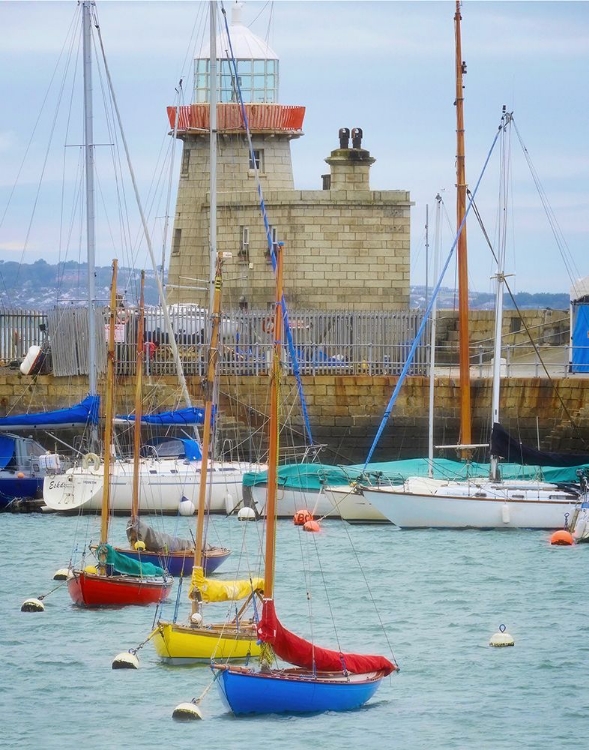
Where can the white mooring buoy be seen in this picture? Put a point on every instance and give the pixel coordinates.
(32, 605)
(246, 514)
(501, 638)
(62, 574)
(187, 712)
(126, 660)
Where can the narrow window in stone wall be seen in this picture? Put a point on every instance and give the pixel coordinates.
(176, 242)
(185, 161)
(244, 247)
(274, 238)
(515, 325)
(258, 161)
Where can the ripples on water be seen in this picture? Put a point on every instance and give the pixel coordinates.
(439, 594)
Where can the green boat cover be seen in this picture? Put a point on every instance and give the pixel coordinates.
(127, 565)
(313, 476)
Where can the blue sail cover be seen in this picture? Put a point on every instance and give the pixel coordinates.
(180, 417)
(83, 413)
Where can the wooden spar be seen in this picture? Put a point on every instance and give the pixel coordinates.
(209, 391)
(109, 407)
(138, 400)
(273, 434)
(464, 341)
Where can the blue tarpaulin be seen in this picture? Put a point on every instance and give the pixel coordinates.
(181, 417)
(580, 347)
(6, 450)
(83, 413)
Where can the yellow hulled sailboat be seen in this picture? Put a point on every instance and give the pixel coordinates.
(237, 637)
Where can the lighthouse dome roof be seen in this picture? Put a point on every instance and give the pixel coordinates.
(244, 43)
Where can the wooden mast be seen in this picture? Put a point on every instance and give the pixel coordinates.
(109, 407)
(138, 400)
(464, 349)
(209, 393)
(273, 433)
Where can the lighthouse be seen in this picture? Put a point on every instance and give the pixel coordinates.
(248, 72)
(346, 246)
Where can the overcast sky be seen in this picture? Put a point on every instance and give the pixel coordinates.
(387, 67)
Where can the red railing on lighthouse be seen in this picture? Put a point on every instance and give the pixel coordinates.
(261, 117)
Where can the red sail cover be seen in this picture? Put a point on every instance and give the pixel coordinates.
(301, 653)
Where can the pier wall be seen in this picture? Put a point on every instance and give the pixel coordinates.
(346, 410)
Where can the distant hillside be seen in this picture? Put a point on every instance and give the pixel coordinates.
(448, 300)
(40, 286)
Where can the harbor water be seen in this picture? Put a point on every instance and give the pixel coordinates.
(439, 595)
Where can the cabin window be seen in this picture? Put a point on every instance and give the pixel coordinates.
(244, 245)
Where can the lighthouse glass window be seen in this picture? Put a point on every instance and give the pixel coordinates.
(256, 79)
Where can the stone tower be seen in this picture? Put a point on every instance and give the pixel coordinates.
(346, 247)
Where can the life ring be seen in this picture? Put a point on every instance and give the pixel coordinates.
(91, 458)
(268, 325)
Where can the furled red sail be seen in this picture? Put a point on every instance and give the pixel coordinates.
(301, 653)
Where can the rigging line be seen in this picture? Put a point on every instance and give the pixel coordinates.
(172, 339)
(45, 160)
(523, 321)
(537, 351)
(360, 567)
(314, 542)
(428, 310)
(289, 338)
(47, 92)
(552, 220)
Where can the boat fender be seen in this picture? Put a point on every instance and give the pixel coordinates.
(186, 507)
(139, 546)
(580, 529)
(505, 515)
(91, 458)
(501, 638)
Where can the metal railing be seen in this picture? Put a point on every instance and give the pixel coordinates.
(19, 330)
(347, 343)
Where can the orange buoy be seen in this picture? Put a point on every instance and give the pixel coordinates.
(311, 526)
(20, 475)
(562, 537)
(301, 517)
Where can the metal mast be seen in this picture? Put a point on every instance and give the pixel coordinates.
(90, 208)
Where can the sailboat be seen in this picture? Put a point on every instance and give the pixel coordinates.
(115, 580)
(166, 482)
(490, 502)
(149, 545)
(319, 679)
(196, 641)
